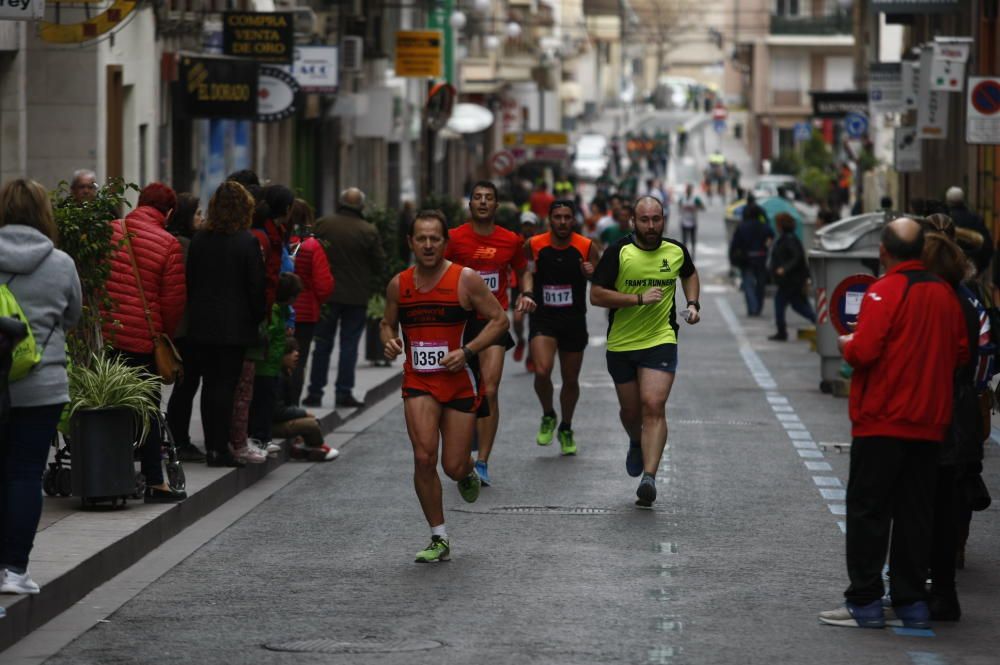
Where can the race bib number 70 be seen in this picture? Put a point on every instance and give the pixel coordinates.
(426, 356)
(492, 280)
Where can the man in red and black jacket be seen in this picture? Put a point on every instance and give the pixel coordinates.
(909, 340)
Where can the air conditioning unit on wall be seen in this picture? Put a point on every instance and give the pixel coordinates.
(351, 51)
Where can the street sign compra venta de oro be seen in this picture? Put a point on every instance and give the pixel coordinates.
(262, 36)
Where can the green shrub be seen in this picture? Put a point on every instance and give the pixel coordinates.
(85, 234)
(107, 381)
(786, 163)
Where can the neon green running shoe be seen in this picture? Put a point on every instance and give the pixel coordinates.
(545, 432)
(567, 446)
(469, 486)
(438, 550)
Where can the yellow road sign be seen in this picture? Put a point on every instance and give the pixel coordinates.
(418, 53)
(536, 138)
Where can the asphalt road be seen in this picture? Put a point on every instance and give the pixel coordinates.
(741, 552)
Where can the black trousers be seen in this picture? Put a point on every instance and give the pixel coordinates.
(181, 401)
(151, 451)
(890, 490)
(304, 336)
(949, 509)
(220, 367)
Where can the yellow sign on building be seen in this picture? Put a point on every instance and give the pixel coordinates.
(536, 138)
(418, 53)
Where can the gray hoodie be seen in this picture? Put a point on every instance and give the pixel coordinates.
(47, 287)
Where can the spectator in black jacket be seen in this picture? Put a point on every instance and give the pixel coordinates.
(748, 252)
(966, 219)
(791, 274)
(226, 303)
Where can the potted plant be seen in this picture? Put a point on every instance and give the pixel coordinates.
(386, 222)
(85, 233)
(111, 408)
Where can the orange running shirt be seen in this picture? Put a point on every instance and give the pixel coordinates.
(433, 323)
(488, 255)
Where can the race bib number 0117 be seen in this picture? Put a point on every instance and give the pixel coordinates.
(557, 295)
(426, 356)
(492, 280)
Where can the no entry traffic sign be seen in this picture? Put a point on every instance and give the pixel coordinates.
(983, 111)
(845, 303)
(502, 162)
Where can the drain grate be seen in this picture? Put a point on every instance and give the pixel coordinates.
(365, 646)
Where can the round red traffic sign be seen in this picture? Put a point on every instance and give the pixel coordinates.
(845, 303)
(986, 97)
(502, 162)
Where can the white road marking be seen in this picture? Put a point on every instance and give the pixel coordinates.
(830, 487)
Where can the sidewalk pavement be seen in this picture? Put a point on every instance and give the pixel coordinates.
(77, 550)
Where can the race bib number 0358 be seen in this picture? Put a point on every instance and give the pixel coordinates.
(427, 356)
(492, 280)
(557, 295)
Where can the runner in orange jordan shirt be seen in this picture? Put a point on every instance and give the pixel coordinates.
(435, 301)
(489, 250)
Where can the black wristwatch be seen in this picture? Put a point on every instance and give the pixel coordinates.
(697, 305)
(469, 355)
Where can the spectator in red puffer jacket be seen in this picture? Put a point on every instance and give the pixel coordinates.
(313, 269)
(160, 263)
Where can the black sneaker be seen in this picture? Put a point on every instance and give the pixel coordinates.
(778, 337)
(646, 492)
(157, 495)
(215, 458)
(187, 452)
(313, 400)
(348, 401)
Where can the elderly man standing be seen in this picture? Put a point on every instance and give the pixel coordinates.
(354, 251)
(967, 219)
(909, 339)
(84, 186)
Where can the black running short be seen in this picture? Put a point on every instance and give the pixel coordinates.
(464, 404)
(475, 326)
(570, 333)
(623, 366)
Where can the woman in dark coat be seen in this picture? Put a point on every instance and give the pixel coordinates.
(226, 303)
(791, 274)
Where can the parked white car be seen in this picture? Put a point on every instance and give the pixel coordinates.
(590, 158)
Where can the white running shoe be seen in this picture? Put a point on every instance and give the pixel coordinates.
(249, 454)
(14, 583)
(270, 448)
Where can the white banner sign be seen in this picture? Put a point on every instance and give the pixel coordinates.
(982, 119)
(910, 73)
(885, 88)
(21, 10)
(907, 153)
(315, 68)
(948, 68)
(932, 107)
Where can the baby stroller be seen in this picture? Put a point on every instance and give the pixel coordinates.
(57, 479)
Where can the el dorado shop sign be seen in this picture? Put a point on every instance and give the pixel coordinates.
(261, 36)
(217, 88)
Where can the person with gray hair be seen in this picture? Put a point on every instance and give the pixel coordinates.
(354, 250)
(83, 188)
(967, 219)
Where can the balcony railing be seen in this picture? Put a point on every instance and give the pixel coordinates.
(825, 24)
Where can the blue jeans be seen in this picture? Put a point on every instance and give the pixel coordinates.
(352, 323)
(754, 281)
(798, 302)
(24, 450)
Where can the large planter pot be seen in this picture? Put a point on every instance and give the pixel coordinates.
(374, 349)
(101, 450)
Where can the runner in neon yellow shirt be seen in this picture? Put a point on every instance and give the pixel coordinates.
(637, 279)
